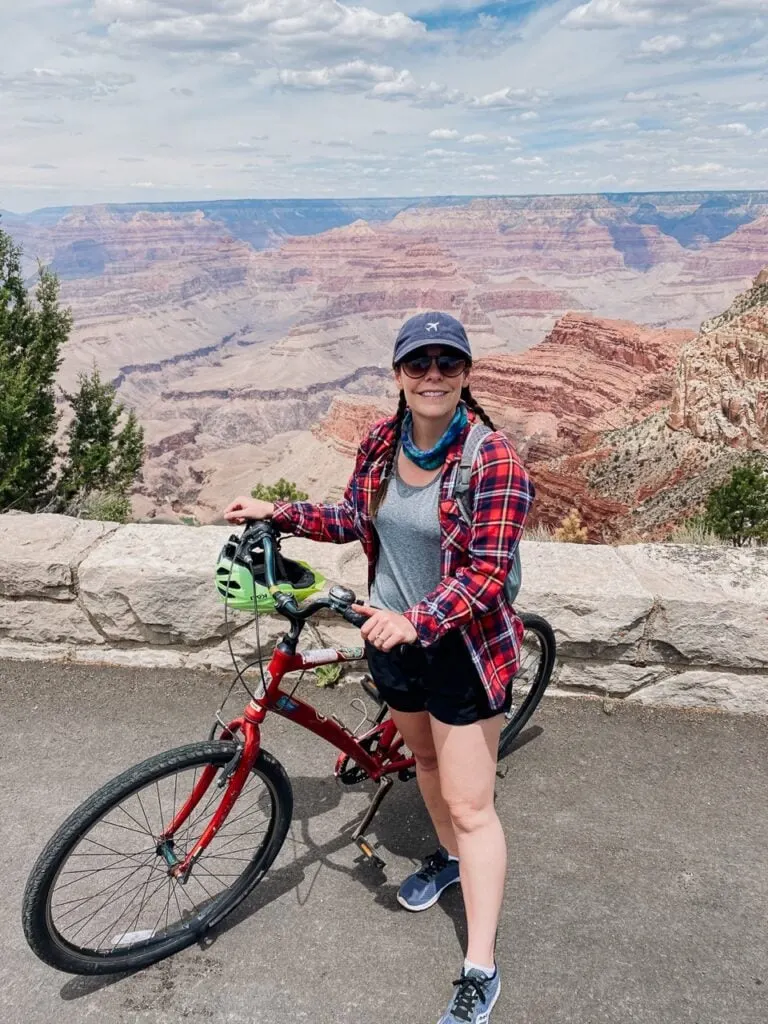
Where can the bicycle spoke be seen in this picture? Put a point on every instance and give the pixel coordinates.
(83, 921)
(143, 811)
(134, 820)
(116, 882)
(87, 872)
(113, 924)
(115, 893)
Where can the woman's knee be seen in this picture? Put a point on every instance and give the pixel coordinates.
(471, 815)
(426, 759)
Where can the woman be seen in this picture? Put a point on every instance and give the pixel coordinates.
(437, 584)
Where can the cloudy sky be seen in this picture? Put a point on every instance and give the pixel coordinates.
(153, 100)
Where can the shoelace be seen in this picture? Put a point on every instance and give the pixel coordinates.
(432, 866)
(467, 995)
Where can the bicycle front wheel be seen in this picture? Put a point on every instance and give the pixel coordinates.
(102, 899)
(537, 660)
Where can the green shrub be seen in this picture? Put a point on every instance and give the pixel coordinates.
(107, 506)
(328, 675)
(695, 531)
(283, 490)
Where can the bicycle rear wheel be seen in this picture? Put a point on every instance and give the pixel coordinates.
(537, 660)
(101, 898)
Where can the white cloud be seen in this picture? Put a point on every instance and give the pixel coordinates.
(710, 41)
(754, 107)
(618, 13)
(736, 128)
(529, 115)
(376, 81)
(353, 76)
(43, 84)
(505, 98)
(444, 133)
(660, 45)
(529, 161)
(405, 87)
(206, 25)
(648, 96)
(696, 168)
(475, 139)
(642, 13)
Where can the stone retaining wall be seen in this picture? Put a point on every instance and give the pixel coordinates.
(654, 624)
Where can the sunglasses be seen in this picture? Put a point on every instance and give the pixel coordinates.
(448, 365)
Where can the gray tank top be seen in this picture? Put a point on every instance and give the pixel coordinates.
(408, 525)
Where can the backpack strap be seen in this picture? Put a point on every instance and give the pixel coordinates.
(478, 432)
(460, 492)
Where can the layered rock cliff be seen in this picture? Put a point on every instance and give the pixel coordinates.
(721, 392)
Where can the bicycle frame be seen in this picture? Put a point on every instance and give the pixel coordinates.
(386, 760)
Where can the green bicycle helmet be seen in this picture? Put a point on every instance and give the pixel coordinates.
(242, 585)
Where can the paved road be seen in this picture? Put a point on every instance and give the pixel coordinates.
(637, 890)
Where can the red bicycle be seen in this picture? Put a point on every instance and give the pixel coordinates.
(163, 852)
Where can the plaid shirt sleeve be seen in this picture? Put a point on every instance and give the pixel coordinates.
(503, 495)
(333, 523)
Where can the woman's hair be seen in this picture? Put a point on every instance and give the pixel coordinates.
(471, 403)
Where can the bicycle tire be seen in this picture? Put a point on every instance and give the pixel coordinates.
(37, 916)
(539, 628)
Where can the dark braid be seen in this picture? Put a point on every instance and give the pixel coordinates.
(381, 493)
(471, 403)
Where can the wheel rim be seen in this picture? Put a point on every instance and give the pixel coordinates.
(532, 656)
(114, 892)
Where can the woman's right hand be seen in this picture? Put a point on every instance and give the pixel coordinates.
(248, 508)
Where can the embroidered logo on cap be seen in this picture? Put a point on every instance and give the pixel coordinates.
(433, 326)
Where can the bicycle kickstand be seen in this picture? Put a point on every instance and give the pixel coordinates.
(358, 835)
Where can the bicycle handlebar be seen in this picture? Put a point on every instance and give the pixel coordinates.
(259, 533)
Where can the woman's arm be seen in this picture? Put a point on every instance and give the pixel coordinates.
(333, 523)
(503, 495)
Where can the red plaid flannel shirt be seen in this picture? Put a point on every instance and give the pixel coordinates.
(475, 559)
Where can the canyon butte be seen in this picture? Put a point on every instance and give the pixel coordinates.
(254, 338)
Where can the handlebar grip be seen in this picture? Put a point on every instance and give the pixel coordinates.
(354, 617)
(269, 561)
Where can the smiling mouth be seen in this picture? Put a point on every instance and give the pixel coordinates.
(433, 394)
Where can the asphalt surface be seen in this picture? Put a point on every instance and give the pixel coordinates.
(637, 887)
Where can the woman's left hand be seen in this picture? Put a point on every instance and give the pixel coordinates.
(385, 629)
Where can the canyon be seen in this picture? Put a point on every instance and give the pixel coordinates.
(254, 338)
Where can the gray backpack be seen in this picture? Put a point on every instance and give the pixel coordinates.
(475, 437)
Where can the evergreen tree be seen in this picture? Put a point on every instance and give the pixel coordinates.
(31, 336)
(100, 457)
(738, 511)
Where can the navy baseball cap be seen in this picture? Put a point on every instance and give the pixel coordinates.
(431, 329)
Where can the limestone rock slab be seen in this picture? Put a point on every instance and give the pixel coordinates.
(592, 599)
(713, 602)
(46, 622)
(611, 678)
(724, 691)
(155, 585)
(38, 553)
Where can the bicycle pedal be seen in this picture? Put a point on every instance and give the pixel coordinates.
(368, 852)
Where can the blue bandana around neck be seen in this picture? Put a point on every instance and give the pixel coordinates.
(435, 456)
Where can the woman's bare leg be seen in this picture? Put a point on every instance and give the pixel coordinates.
(466, 756)
(416, 730)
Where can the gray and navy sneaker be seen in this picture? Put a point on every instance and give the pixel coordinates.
(474, 998)
(423, 889)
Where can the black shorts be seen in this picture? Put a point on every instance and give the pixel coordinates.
(441, 679)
